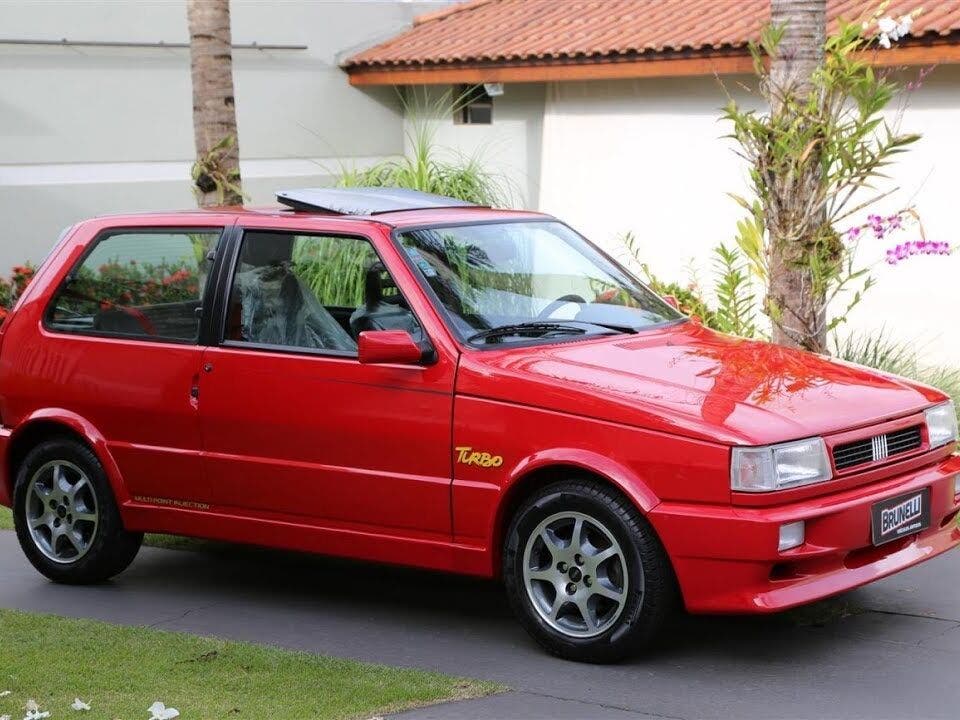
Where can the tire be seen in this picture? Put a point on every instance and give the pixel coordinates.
(629, 596)
(66, 516)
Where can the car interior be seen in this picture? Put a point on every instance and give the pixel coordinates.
(272, 305)
(384, 308)
(169, 320)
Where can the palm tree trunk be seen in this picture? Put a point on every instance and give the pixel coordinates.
(217, 171)
(799, 314)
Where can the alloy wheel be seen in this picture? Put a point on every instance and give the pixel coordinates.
(61, 511)
(575, 574)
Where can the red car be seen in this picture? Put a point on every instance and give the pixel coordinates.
(409, 379)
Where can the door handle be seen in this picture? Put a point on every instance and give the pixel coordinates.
(195, 391)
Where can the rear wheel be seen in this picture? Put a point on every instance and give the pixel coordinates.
(66, 517)
(585, 572)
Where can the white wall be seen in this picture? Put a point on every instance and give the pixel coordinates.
(647, 156)
(87, 131)
(918, 300)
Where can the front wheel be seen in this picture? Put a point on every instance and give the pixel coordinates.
(585, 572)
(66, 517)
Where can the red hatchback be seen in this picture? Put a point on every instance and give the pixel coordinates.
(403, 378)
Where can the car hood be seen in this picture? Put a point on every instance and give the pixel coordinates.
(689, 380)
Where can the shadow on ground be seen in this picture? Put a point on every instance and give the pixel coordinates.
(255, 571)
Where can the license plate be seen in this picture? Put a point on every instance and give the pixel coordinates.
(900, 516)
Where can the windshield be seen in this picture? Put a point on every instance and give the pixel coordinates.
(517, 281)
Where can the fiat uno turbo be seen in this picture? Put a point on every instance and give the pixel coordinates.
(404, 378)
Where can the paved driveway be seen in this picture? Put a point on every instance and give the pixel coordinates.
(897, 656)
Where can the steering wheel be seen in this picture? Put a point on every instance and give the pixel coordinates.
(559, 303)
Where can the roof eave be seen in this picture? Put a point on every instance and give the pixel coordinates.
(943, 51)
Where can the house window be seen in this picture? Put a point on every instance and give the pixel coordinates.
(473, 106)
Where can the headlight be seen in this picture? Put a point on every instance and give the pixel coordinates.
(941, 424)
(778, 467)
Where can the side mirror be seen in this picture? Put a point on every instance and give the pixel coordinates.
(388, 347)
(671, 301)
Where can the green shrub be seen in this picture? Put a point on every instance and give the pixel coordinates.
(133, 284)
(334, 269)
(734, 306)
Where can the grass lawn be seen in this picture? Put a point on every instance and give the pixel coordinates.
(121, 671)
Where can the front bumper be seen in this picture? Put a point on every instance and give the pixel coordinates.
(726, 558)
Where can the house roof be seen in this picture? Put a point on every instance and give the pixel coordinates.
(488, 37)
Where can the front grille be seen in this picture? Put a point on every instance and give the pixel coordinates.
(876, 448)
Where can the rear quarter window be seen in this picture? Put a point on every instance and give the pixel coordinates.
(142, 284)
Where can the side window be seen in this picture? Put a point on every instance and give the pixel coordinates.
(313, 292)
(139, 284)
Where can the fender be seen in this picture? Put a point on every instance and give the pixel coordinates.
(87, 431)
(619, 475)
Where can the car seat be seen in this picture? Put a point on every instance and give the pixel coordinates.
(381, 311)
(276, 307)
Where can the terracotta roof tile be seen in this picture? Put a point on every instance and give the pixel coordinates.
(528, 30)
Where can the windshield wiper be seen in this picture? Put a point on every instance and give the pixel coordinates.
(615, 328)
(541, 329)
(533, 329)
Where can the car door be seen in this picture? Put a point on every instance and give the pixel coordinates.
(293, 424)
(121, 351)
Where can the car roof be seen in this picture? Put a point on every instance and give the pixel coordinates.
(391, 206)
(291, 217)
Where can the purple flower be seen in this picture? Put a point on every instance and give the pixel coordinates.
(893, 222)
(876, 224)
(853, 233)
(905, 250)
